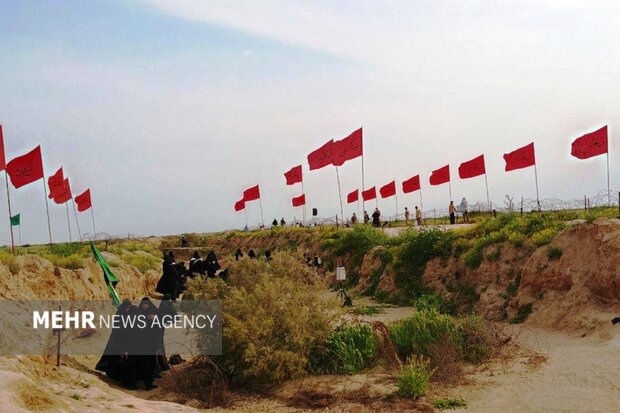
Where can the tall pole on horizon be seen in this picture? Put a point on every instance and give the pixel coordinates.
(77, 222)
(262, 218)
(8, 198)
(486, 183)
(303, 192)
(68, 222)
(536, 179)
(47, 209)
(340, 196)
(608, 187)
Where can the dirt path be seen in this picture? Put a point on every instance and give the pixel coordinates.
(580, 375)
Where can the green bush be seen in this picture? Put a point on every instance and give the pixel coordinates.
(430, 301)
(473, 258)
(142, 261)
(522, 314)
(10, 261)
(554, 253)
(357, 242)
(415, 334)
(347, 350)
(414, 378)
(543, 237)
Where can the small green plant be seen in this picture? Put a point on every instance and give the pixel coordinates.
(554, 253)
(522, 313)
(447, 404)
(414, 378)
(429, 301)
(473, 258)
(76, 396)
(495, 254)
(348, 350)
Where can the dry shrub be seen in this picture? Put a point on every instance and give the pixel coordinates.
(386, 350)
(445, 361)
(270, 321)
(200, 379)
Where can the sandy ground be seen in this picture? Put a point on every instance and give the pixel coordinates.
(580, 375)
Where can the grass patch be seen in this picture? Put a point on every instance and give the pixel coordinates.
(10, 261)
(414, 378)
(448, 404)
(347, 350)
(367, 310)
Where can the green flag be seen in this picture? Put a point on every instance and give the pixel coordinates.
(108, 276)
(15, 220)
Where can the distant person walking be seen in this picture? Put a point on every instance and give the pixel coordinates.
(452, 211)
(418, 216)
(406, 216)
(463, 209)
(274, 223)
(354, 219)
(376, 218)
(366, 217)
(282, 222)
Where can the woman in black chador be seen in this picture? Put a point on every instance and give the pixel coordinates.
(148, 343)
(119, 359)
(169, 284)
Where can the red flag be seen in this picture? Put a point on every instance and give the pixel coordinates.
(294, 175)
(440, 176)
(348, 148)
(55, 183)
(388, 190)
(472, 168)
(520, 158)
(321, 157)
(591, 144)
(26, 168)
(83, 201)
(411, 184)
(299, 200)
(240, 205)
(251, 194)
(369, 194)
(353, 196)
(2, 158)
(64, 193)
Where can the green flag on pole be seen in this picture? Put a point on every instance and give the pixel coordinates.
(108, 276)
(15, 220)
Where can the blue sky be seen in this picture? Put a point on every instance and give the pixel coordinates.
(167, 110)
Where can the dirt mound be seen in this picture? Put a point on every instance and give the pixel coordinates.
(574, 282)
(39, 279)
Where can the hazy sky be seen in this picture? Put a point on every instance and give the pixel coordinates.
(167, 110)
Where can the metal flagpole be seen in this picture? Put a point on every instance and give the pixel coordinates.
(262, 218)
(450, 189)
(20, 232)
(608, 187)
(421, 205)
(92, 215)
(536, 178)
(246, 216)
(396, 200)
(358, 207)
(8, 198)
(363, 186)
(486, 183)
(77, 222)
(340, 196)
(302, 192)
(68, 222)
(47, 209)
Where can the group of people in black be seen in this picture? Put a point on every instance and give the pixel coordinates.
(252, 255)
(134, 354)
(174, 276)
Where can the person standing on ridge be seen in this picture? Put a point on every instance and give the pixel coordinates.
(452, 210)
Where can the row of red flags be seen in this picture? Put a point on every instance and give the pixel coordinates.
(338, 152)
(28, 168)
